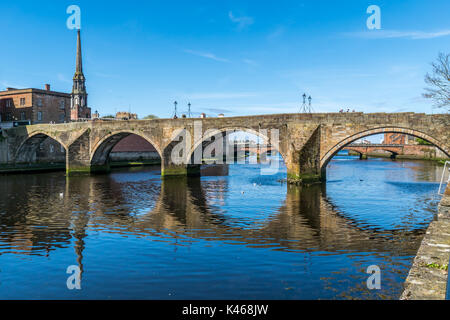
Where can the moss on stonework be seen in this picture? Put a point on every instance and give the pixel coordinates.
(78, 171)
(438, 266)
(174, 172)
(181, 171)
(303, 179)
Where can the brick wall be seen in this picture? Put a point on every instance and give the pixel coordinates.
(133, 143)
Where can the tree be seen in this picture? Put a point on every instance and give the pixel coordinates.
(109, 116)
(423, 142)
(439, 82)
(150, 116)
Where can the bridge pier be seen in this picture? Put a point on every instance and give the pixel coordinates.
(303, 167)
(363, 156)
(78, 158)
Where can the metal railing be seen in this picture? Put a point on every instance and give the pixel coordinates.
(443, 176)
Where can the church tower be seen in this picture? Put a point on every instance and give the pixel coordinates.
(78, 105)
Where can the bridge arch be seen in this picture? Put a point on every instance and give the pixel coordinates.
(419, 134)
(393, 152)
(30, 145)
(208, 134)
(101, 150)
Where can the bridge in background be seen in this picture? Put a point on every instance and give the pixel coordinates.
(307, 142)
(365, 149)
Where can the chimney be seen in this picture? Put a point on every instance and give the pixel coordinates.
(47, 87)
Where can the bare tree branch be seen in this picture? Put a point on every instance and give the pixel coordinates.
(439, 82)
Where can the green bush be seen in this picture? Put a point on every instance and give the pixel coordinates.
(423, 142)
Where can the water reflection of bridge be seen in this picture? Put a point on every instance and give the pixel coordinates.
(307, 220)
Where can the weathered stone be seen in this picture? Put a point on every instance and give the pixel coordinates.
(428, 277)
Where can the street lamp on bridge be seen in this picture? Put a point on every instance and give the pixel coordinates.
(175, 110)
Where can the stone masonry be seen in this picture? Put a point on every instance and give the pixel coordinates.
(428, 277)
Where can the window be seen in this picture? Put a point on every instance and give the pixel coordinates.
(52, 148)
(62, 148)
(62, 104)
(8, 103)
(39, 115)
(62, 117)
(22, 115)
(22, 101)
(39, 102)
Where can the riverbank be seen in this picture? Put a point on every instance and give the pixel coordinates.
(428, 277)
(48, 167)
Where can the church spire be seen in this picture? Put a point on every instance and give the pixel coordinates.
(79, 63)
(79, 106)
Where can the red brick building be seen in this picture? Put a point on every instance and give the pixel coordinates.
(36, 105)
(394, 138)
(398, 138)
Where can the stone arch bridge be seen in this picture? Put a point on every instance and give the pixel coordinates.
(364, 149)
(307, 142)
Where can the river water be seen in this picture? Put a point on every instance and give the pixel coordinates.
(240, 236)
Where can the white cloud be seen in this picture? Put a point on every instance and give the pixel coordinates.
(279, 31)
(393, 34)
(250, 62)
(207, 55)
(241, 22)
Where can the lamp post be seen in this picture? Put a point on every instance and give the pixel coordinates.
(303, 108)
(189, 110)
(175, 112)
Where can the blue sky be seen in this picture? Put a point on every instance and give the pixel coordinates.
(234, 57)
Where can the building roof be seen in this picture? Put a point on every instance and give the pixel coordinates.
(13, 91)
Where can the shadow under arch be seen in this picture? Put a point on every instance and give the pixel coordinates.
(27, 151)
(342, 144)
(102, 149)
